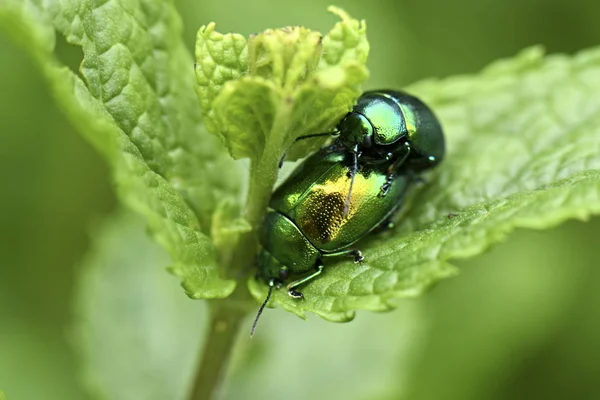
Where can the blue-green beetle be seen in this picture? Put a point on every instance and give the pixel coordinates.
(307, 221)
(332, 200)
(389, 125)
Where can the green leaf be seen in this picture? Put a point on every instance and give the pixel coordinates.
(296, 82)
(522, 295)
(133, 100)
(130, 322)
(2, 395)
(486, 326)
(227, 227)
(219, 58)
(523, 139)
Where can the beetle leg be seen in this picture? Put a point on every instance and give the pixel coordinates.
(358, 257)
(281, 160)
(293, 285)
(356, 254)
(392, 168)
(379, 158)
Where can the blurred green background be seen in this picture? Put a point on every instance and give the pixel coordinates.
(519, 322)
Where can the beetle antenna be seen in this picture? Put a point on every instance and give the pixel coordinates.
(313, 135)
(262, 307)
(355, 155)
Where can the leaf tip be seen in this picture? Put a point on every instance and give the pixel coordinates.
(347, 18)
(206, 30)
(344, 16)
(223, 290)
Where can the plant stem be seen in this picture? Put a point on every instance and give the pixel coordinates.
(226, 318)
(227, 315)
(263, 175)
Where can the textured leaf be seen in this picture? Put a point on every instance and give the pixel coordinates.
(295, 83)
(136, 334)
(135, 104)
(522, 139)
(346, 41)
(523, 142)
(219, 58)
(227, 228)
(506, 307)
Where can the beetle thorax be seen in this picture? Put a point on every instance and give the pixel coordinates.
(355, 129)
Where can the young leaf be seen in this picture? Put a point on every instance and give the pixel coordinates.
(219, 58)
(136, 104)
(295, 83)
(523, 139)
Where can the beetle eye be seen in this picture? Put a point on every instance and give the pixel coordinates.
(283, 273)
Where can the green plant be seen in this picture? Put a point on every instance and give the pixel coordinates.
(522, 141)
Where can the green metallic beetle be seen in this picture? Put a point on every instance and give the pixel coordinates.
(389, 125)
(386, 123)
(332, 200)
(306, 222)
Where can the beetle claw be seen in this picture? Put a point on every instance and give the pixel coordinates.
(358, 257)
(385, 188)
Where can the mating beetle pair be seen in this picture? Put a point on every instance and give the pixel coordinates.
(342, 192)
